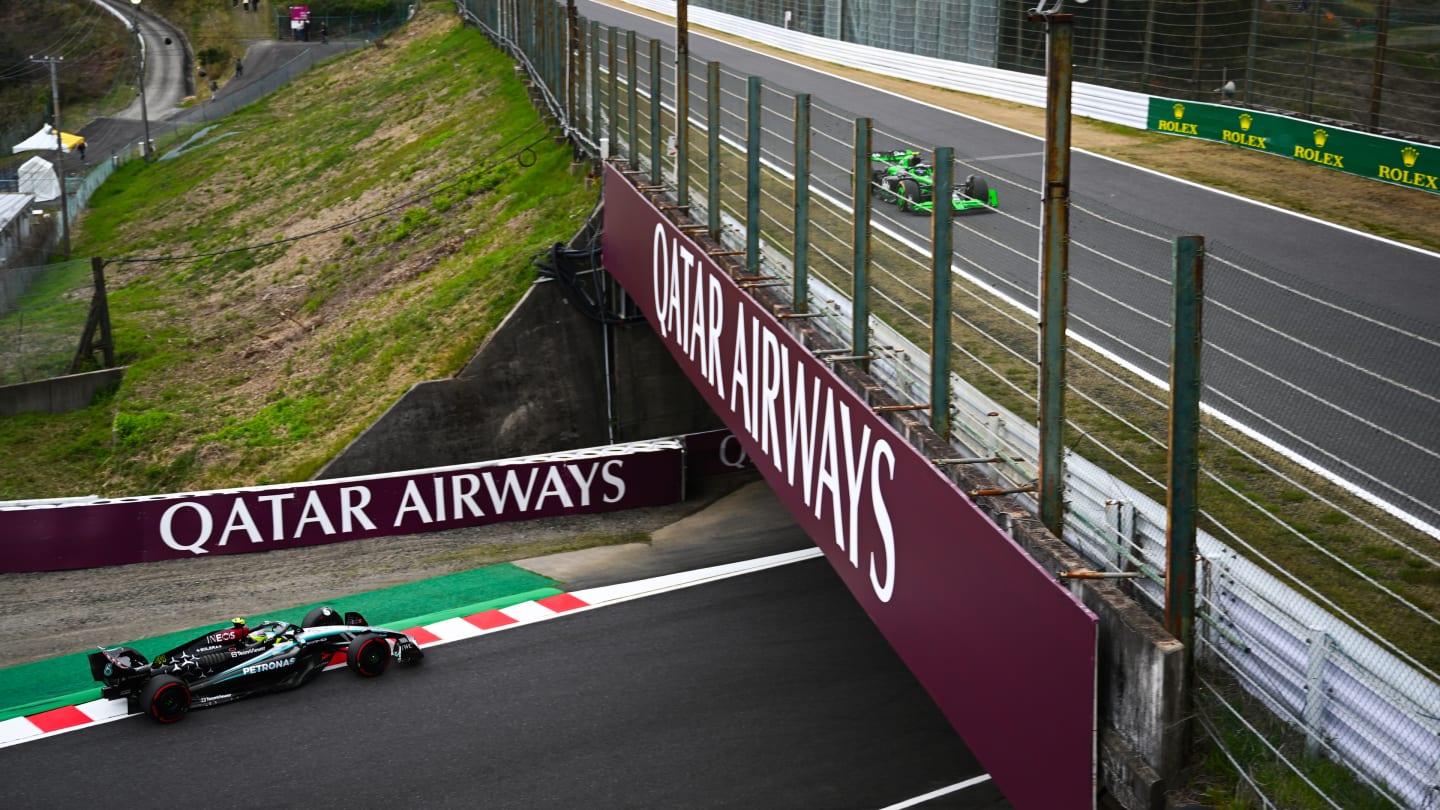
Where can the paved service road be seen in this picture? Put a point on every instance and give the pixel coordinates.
(768, 690)
(168, 82)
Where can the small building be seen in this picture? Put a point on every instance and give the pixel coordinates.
(16, 211)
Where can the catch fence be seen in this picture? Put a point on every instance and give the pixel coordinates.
(1375, 65)
(1313, 602)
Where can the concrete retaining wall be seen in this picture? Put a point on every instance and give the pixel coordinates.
(58, 394)
(538, 383)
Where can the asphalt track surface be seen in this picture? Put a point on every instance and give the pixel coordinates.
(1353, 387)
(767, 690)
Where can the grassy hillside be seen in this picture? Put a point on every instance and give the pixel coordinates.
(325, 249)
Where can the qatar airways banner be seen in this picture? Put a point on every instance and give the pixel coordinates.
(1007, 654)
(237, 521)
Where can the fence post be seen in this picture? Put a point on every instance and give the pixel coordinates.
(1181, 501)
(682, 103)
(941, 229)
(752, 177)
(594, 83)
(655, 124)
(632, 123)
(1308, 104)
(1315, 697)
(1377, 77)
(712, 93)
(800, 294)
(859, 278)
(575, 67)
(1055, 267)
(1251, 48)
(614, 99)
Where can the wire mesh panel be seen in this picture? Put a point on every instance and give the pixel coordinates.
(1315, 603)
(43, 312)
(1372, 64)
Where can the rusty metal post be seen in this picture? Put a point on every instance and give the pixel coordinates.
(860, 269)
(941, 249)
(682, 102)
(1377, 78)
(1182, 507)
(1055, 267)
(575, 62)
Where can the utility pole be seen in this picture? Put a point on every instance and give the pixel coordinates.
(144, 114)
(59, 150)
(1055, 263)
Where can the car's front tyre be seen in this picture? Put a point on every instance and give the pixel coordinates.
(368, 655)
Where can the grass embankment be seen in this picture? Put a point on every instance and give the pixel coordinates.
(360, 231)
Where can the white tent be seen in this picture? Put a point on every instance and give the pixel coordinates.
(45, 139)
(37, 176)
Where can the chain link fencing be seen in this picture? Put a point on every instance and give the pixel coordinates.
(1319, 583)
(1375, 65)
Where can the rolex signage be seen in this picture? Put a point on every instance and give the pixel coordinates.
(1374, 156)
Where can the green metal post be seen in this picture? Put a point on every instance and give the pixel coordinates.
(574, 66)
(682, 102)
(1182, 505)
(752, 177)
(800, 294)
(655, 124)
(712, 94)
(595, 119)
(941, 229)
(860, 274)
(632, 123)
(1055, 270)
(614, 99)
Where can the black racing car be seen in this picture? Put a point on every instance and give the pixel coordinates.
(239, 661)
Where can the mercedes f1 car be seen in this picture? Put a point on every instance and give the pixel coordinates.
(903, 178)
(239, 661)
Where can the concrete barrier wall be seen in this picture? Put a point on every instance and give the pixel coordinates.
(56, 537)
(57, 394)
(540, 381)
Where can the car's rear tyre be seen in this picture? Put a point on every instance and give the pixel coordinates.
(909, 194)
(165, 698)
(323, 616)
(977, 189)
(368, 655)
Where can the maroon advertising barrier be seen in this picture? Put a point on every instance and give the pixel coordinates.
(714, 452)
(1007, 654)
(238, 521)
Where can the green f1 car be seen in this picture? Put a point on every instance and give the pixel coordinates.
(904, 179)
